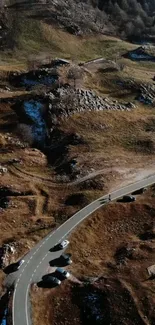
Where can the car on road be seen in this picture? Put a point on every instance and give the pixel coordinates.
(51, 280)
(64, 244)
(140, 191)
(128, 198)
(65, 259)
(61, 273)
(20, 263)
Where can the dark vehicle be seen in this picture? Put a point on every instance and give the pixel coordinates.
(140, 191)
(51, 280)
(65, 259)
(62, 274)
(19, 264)
(128, 198)
(13, 267)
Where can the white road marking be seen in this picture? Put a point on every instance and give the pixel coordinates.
(26, 300)
(13, 302)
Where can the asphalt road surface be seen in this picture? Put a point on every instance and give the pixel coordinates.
(37, 260)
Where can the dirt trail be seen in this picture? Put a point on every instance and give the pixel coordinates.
(99, 172)
(128, 174)
(31, 177)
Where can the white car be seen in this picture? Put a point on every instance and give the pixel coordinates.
(20, 263)
(64, 244)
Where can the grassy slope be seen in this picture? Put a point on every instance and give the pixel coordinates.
(32, 37)
(112, 129)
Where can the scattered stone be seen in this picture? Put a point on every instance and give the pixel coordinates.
(70, 101)
(5, 251)
(3, 170)
(130, 105)
(151, 270)
(14, 161)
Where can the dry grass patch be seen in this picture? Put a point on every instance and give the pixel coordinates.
(110, 136)
(95, 242)
(41, 310)
(35, 37)
(54, 306)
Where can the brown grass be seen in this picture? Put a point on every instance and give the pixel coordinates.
(109, 228)
(19, 222)
(38, 40)
(110, 138)
(109, 143)
(106, 147)
(46, 306)
(93, 246)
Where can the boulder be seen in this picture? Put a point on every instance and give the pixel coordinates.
(151, 270)
(3, 170)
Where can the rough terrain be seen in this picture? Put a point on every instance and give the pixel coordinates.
(65, 139)
(111, 252)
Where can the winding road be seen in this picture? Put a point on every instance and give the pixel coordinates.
(37, 260)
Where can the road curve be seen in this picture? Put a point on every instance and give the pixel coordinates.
(38, 258)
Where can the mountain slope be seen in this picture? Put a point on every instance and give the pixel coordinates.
(128, 18)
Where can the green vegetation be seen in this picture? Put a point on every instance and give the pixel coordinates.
(102, 47)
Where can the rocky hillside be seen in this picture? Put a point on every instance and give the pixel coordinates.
(77, 17)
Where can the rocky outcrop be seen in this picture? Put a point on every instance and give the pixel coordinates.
(5, 252)
(3, 170)
(89, 100)
(147, 94)
(67, 101)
